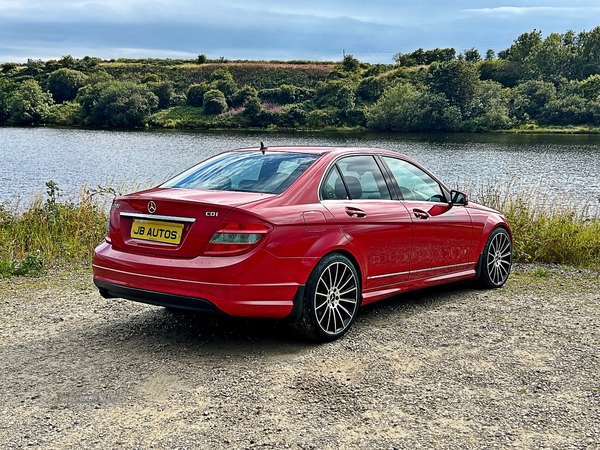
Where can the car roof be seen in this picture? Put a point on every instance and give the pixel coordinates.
(319, 150)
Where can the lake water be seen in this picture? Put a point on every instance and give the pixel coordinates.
(563, 165)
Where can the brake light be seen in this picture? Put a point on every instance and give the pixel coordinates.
(236, 238)
(107, 235)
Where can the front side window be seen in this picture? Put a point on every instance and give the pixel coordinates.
(355, 177)
(413, 182)
(250, 171)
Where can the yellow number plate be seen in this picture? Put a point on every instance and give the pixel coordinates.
(151, 230)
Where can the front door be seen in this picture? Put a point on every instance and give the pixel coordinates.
(442, 232)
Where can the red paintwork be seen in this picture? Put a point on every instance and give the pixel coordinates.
(394, 250)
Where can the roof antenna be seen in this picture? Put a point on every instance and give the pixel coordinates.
(262, 147)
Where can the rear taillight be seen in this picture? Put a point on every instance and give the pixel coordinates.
(235, 238)
(107, 234)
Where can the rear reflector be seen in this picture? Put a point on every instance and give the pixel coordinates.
(235, 238)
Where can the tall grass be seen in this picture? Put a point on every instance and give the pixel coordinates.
(546, 229)
(54, 230)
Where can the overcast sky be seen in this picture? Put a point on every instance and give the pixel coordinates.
(372, 30)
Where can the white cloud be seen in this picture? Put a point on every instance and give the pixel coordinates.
(528, 10)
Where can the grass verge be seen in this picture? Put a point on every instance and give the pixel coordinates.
(54, 230)
(51, 231)
(554, 231)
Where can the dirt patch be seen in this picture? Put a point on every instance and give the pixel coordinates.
(452, 367)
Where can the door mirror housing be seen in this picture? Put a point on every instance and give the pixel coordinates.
(459, 198)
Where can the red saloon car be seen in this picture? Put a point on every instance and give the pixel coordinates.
(303, 233)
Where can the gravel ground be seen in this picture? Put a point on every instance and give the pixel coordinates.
(448, 368)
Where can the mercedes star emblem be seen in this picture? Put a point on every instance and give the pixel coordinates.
(151, 207)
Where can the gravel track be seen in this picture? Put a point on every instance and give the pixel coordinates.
(450, 368)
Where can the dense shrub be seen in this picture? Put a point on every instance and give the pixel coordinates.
(195, 94)
(163, 91)
(567, 110)
(282, 95)
(28, 103)
(6, 90)
(371, 88)
(214, 102)
(223, 81)
(322, 118)
(64, 84)
(252, 106)
(64, 114)
(404, 108)
(243, 94)
(116, 104)
(293, 116)
(530, 97)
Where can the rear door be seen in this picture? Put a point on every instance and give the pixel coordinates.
(442, 232)
(380, 228)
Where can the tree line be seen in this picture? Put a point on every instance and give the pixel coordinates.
(537, 81)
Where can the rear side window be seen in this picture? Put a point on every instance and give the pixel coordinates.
(251, 171)
(355, 177)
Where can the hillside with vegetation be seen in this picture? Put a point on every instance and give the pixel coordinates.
(537, 83)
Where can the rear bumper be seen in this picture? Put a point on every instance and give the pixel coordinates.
(110, 290)
(258, 284)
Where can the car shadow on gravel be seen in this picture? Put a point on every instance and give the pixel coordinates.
(414, 302)
(119, 334)
(154, 327)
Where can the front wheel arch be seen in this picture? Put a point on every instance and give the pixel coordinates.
(495, 260)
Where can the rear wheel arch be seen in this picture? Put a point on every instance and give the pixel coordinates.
(331, 298)
(318, 252)
(354, 262)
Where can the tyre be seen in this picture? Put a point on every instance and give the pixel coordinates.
(496, 260)
(331, 299)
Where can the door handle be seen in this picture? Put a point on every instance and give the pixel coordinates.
(420, 214)
(355, 212)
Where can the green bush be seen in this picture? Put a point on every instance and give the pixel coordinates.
(252, 106)
(64, 114)
(214, 102)
(28, 104)
(179, 117)
(6, 90)
(371, 88)
(163, 91)
(322, 118)
(116, 104)
(64, 84)
(195, 94)
(406, 109)
(243, 94)
(293, 116)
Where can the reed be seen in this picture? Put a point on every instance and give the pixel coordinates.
(546, 229)
(52, 229)
(55, 230)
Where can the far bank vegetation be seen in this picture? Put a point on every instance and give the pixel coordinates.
(539, 82)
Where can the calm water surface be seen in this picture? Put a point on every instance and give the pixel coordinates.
(563, 165)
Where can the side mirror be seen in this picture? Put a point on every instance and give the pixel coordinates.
(459, 198)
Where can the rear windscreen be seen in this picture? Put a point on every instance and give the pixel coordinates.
(269, 173)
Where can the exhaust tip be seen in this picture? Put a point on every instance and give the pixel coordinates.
(104, 293)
